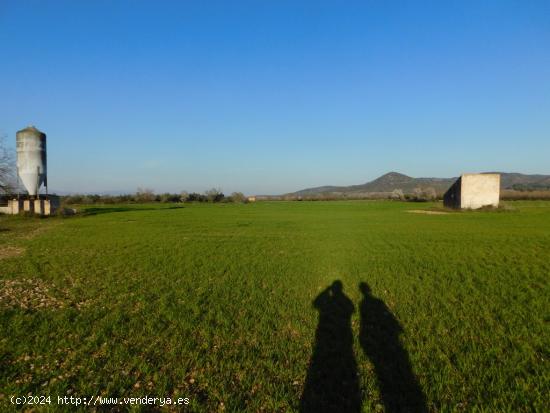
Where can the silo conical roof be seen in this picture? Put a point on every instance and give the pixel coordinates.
(31, 129)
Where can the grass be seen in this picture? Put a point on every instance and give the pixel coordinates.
(231, 306)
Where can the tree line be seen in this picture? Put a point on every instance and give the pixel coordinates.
(146, 195)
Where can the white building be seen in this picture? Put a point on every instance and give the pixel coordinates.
(473, 191)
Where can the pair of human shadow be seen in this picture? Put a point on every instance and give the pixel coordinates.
(333, 383)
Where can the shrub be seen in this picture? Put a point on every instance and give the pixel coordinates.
(214, 195)
(238, 197)
(145, 195)
(194, 197)
(423, 195)
(397, 194)
(168, 198)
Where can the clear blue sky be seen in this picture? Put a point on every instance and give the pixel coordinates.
(276, 96)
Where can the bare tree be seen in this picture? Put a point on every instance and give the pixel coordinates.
(238, 197)
(431, 194)
(7, 167)
(184, 196)
(145, 195)
(214, 195)
(424, 194)
(397, 194)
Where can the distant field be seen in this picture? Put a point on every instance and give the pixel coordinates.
(228, 305)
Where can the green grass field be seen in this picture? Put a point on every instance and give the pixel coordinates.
(228, 305)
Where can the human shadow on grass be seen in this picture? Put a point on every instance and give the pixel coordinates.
(379, 338)
(332, 384)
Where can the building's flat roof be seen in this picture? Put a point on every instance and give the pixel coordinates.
(480, 174)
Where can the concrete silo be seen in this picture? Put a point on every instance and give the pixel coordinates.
(32, 172)
(31, 159)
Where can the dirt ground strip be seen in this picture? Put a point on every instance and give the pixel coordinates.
(427, 212)
(8, 251)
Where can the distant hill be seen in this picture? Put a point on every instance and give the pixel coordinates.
(396, 180)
